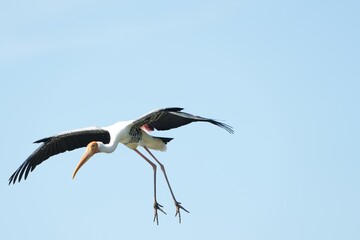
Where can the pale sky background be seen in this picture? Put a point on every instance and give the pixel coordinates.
(284, 74)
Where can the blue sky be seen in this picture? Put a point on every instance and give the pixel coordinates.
(284, 74)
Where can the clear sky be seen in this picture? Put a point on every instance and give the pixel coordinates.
(284, 74)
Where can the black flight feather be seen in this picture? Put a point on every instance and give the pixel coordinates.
(58, 144)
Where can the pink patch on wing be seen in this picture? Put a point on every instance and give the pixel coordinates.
(147, 128)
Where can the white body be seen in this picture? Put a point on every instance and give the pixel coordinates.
(119, 133)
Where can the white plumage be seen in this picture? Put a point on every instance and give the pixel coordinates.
(132, 134)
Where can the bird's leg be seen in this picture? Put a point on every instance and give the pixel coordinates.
(177, 204)
(157, 206)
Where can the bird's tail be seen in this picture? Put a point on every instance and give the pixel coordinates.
(160, 143)
(164, 139)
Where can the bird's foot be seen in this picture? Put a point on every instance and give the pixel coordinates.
(157, 207)
(178, 207)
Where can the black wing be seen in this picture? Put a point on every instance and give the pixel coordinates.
(58, 144)
(168, 118)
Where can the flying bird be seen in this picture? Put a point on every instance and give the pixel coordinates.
(133, 133)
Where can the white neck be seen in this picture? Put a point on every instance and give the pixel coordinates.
(119, 134)
(107, 148)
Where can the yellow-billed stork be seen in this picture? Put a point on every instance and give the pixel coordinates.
(130, 133)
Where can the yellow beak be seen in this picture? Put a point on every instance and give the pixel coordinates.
(87, 155)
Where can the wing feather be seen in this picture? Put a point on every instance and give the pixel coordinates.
(63, 142)
(169, 118)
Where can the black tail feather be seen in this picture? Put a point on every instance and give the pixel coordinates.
(164, 139)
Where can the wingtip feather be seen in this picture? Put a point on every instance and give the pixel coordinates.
(225, 126)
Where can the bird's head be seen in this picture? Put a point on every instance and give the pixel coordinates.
(91, 149)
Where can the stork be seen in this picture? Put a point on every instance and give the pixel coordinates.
(132, 134)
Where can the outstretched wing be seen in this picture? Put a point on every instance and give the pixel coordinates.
(168, 118)
(63, 142)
